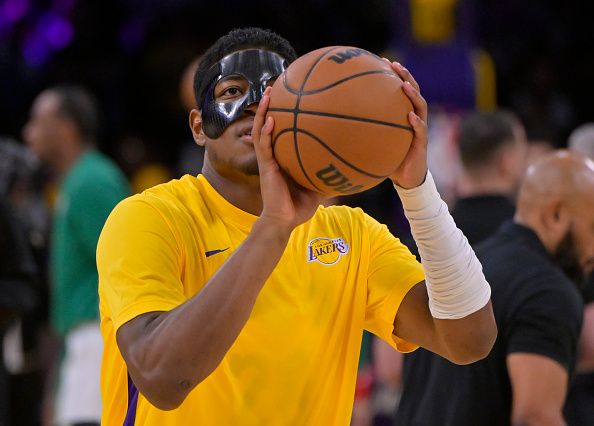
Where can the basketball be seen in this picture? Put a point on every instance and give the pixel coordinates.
(340, 120)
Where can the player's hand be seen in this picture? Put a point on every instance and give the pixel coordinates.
(412, 170)
(284, 202)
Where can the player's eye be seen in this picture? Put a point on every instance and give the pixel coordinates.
(231, 88)
(231, 91)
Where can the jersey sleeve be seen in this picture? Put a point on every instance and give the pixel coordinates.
(393, 271)
(547, 323)
(139, 261)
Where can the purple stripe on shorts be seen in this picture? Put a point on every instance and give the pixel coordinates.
(130, 419)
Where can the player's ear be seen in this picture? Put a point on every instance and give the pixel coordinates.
(556, 218)
(196, 127)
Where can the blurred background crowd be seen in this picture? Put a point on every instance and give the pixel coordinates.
(533, 59)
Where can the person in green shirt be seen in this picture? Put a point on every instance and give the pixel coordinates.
(62, 130)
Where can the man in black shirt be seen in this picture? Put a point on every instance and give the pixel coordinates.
(492, 147)
(530, 264)
(580, 397)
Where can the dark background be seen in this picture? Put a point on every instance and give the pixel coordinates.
(131, 53)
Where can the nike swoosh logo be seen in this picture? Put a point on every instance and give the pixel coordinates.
(212, 252)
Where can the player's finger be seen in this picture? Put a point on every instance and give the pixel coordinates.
(420, 128)
(266, 137)
(405, 74)
(418, 101)
(260, 117)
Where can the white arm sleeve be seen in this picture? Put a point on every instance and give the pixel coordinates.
(454, 277)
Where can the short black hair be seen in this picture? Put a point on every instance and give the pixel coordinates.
(79, 105)
(482, 134)
(240, 39)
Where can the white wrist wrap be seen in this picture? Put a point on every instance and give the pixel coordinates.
(454, 276)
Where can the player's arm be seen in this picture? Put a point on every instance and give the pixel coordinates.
(461, 341)
(169, 353)
(539, 386)
(450, 314)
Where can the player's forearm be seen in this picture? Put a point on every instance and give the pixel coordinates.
(458, 294)
(469, 339)
(186, 344)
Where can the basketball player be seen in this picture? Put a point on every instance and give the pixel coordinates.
(233, 298)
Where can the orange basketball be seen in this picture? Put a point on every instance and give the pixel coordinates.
(340, 120)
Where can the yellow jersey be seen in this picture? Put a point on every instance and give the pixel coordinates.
(295, 361)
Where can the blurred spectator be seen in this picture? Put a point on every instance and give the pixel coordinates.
(580, 399)
(20, 173)
(25, 353)
(62, 131)
(530, 264)
(17, 277)
(492, 148)
(17, 284)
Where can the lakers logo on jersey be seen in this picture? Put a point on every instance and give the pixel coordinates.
(327, 251)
